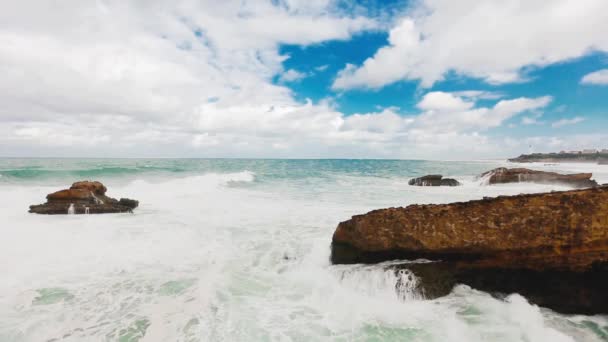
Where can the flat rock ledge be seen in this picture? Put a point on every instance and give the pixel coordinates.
(518, 175)
(433, 180)
(550, 247)
(85, 197)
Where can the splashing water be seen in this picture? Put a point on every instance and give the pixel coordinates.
(71, 209)
(97, 200)
(239, 251)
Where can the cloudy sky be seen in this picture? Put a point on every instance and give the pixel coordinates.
(424, 79)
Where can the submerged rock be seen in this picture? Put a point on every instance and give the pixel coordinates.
(433, 180)
(550, 247)
(83, 197)
(516, 175)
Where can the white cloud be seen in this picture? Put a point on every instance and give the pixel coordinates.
(567, 122)
(441, 101)
(529, 120)
(533, 119)
(462, 117)
(143, 75)
(599, 77)
(194, 78)
(494, 40)
(322, 68)
(479, 94)
(292, 75)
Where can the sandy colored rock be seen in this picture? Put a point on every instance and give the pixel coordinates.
(559, 230)
(550, 247)
(95, 187)
(84, 197)
(517, 175)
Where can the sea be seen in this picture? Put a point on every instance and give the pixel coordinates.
(238, 250)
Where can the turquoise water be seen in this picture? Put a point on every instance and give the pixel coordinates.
(13, 170)
(238, 250)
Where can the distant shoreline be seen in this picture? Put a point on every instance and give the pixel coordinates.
(599, 158)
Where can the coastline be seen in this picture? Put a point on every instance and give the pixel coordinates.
(239, 248)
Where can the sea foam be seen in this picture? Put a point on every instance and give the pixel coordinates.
(243, 255)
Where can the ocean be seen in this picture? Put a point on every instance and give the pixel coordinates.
(238, 250)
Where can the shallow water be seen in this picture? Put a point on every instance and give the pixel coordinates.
(238, 250)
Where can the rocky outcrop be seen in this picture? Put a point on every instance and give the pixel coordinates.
(433, 180)
(540, 245)
(84, 197)
(518, 175)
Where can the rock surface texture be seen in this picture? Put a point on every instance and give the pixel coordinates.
(550, 247)
(433, 180)
(516, 175)
(85, 197)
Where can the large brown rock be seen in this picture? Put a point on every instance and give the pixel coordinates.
(541, 245)
(517, 175)
(83, 197)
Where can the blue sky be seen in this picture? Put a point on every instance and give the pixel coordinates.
(561, 80)
(425, 79)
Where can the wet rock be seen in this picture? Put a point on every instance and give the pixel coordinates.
(543, 246)
(130, 203)
(517, 175)
(561, 290)
(83, 197)
(433, 180)
(449, 182)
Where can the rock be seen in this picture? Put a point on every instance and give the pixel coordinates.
(516, 175)
(433, 180)
(95, 187)
(449, 182)
(128, 203)
(83, 198)
(562, 291)
(551, 247)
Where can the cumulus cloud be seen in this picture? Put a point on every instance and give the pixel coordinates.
(599, 77)
(141, 74)
(292, 75)
(567, 122)
(495, 40)
(440, 101)
(454, 114)
(195, 78)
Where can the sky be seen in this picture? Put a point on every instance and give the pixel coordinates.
(422, 79)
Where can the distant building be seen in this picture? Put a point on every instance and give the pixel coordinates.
(574, 152)
(589, 151)
(604, 150)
